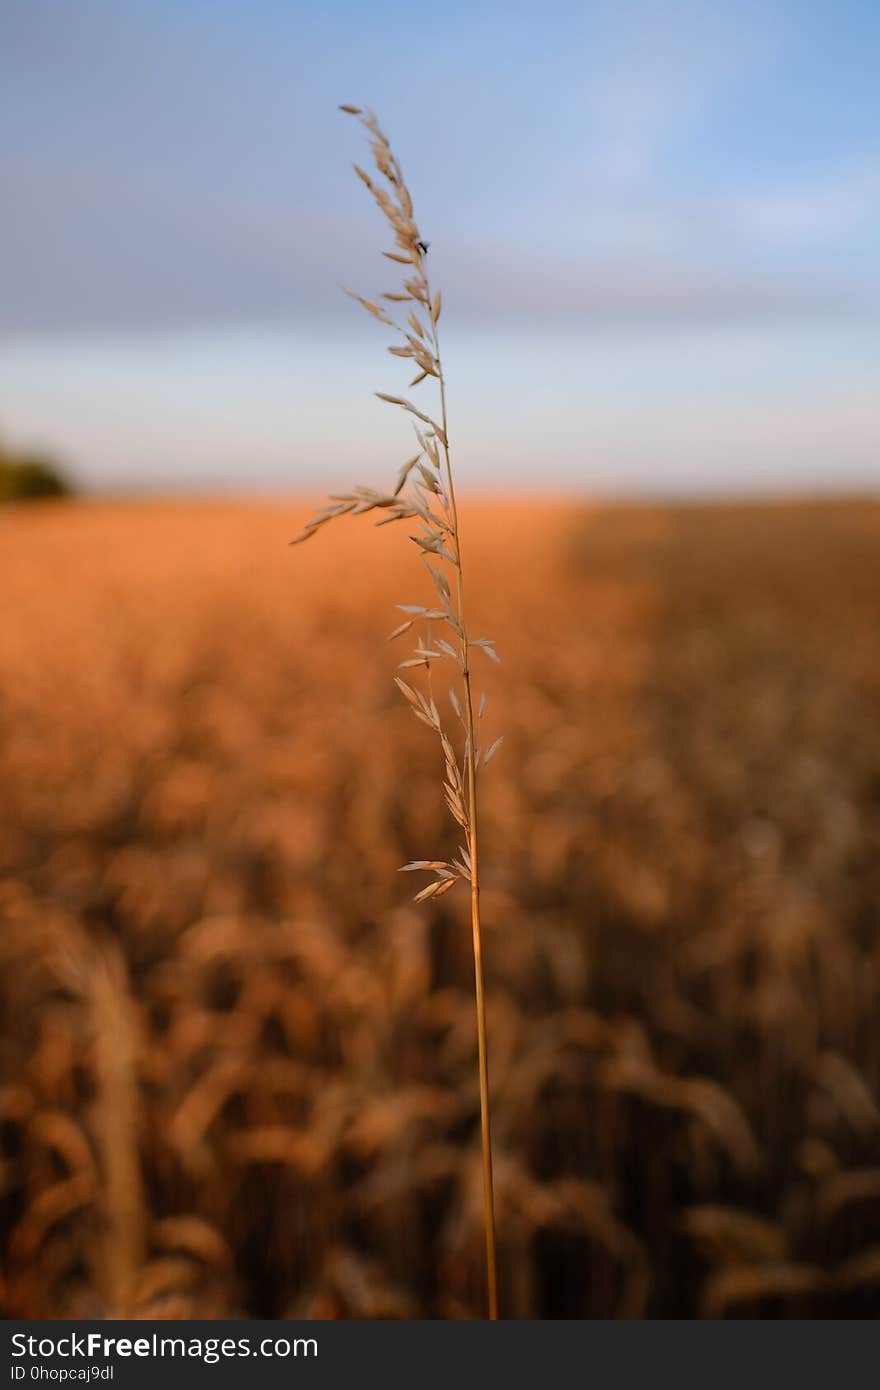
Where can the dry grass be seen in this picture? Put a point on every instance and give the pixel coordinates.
(211, 978)
(424, 496)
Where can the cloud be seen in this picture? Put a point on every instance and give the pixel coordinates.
(816, 211)
(84, 251)
(641, 290)
(171, 172)
(660, 65)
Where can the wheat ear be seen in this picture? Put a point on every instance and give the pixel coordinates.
(425, 491)
(117, 1044)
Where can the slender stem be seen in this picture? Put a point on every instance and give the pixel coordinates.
(485, 1131)
(488, 1189)
(397, 208)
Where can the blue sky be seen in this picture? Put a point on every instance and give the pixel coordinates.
(655, 224)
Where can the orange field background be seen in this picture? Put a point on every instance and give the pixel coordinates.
(238, 1065)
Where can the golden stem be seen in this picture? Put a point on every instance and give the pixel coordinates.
(485, 1131)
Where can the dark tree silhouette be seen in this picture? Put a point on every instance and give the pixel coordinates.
(30, 477)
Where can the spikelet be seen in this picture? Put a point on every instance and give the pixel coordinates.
(423, 489)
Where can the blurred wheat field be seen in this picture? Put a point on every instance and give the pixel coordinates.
(238, 1064)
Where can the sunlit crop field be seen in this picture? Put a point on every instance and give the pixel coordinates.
(238, 1065)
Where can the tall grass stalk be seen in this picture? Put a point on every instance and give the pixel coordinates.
(425, 491)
